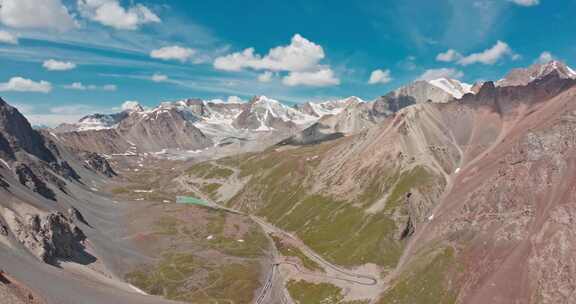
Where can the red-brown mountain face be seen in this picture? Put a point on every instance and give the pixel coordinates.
(524, 76)
(509, 208)
(473, 199)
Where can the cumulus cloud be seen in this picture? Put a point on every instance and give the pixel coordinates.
(449, 56)
(526, 2)
(55, 65)
(300, 59)
(265, 77)
(19, 84)
(441, 73)
(380, 76)
(79, 86)
(111, 13)
(173, 53)
(39, 14)
(489, 56)
(300, 55)
(545, 57)
(321, 78)
(7, 37)
(159, 77)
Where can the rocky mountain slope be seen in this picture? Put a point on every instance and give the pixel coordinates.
(64, 240)
(42, 186)
(461, 202)
(358, 116)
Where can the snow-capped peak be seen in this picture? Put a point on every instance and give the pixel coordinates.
(524, 76)
(132, 106)
(261, 99)
(452, 86)
(328, 107)
(555, 65)
(261, 113)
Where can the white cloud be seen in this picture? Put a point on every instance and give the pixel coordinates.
(321, 78)
(71, 109)
(441, 73)
(54, 65)
(526, 2)
(159, 77)
(265, 77)
(380, 76)
(449, 56)
(39, 14)
(235, 99)
(59, 114)
(130, 105)
(173, 53)
(111, 13)
(230, 99)
(545, 57)
(109, 87)
(79, 86)
(19, 84)
(6, 37)
(489, 56)
(301, 59)
(300, 55)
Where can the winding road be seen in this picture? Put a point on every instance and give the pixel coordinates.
(338, 273)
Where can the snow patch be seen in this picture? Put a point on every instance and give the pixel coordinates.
(143, 191)
(571, 72)
(138, 290)
(5, 163)
(452, 86)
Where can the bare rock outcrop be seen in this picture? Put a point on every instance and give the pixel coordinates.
(50, 237)
(96, 162)
(28, 178)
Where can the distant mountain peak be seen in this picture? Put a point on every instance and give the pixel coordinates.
(132, 106)
(524, 76)
(453, 87)
(263, 99)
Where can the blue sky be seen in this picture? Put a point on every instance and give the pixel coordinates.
(62, 59)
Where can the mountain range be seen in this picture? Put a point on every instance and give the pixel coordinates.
(436, 192)
(194, 125)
